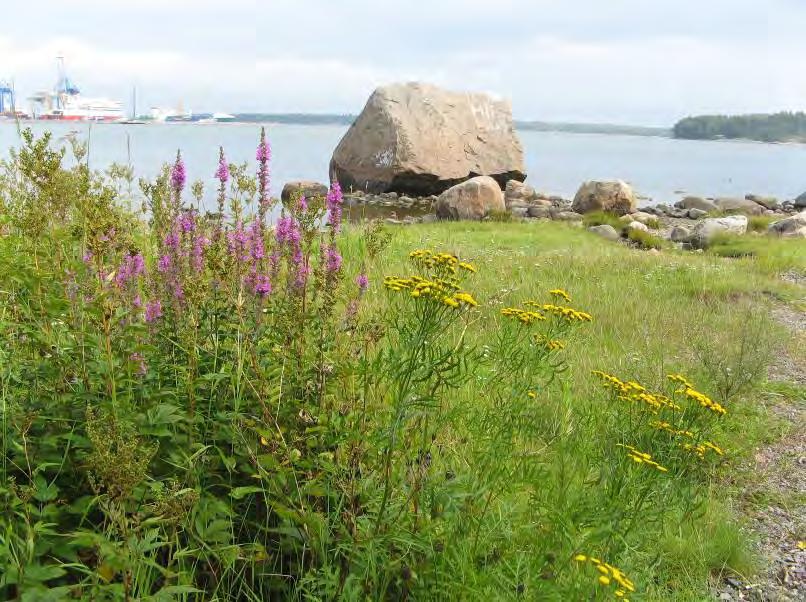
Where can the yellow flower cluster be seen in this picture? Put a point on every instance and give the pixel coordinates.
(558, 292)
(523, 316)
(687, 389)
(665, 426)
(551, 345)
(428, 259)
(444, 291)
(700, 449)
(636, 392)
(609, 575)
(640, 457)
(567, 313)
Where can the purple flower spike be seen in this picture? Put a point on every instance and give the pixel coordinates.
(334, 200)
(222, 173)
(333, 259)
(178, 174)
(362, 281)
(153, 310)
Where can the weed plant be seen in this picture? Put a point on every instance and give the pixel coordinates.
(204, 406)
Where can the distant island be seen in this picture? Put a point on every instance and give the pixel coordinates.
(777, 127)
(540, 126)
(593, 128)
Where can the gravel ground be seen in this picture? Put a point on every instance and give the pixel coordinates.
(774, 502)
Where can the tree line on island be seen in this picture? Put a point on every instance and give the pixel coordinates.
(777, 127)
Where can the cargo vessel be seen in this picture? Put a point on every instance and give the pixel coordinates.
(66, 103)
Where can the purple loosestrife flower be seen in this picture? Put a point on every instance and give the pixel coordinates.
(186, 221)
(363, 282)
(153, 310)
(332, 259)
(222, 173)
(237, 242)
(334, 201)
(263, 156)
(255, 236)
(262, 285)
(132, 267)
(87, 257)
(178, 174)
(199, 244)
(303, 203)
(164, 264)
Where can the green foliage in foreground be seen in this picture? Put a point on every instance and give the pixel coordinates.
(326, 441)
(777, 127)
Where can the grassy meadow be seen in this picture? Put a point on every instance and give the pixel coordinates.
(204, 407)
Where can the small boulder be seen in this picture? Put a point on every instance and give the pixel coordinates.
(616, 197)
(605, 231)
(637, 226)
(704, 232)
(567, 216)
(539, 211)
(519, 211)
(737, 205)
(518, 193)
(791, 227)
(768, 202)
(696, 202)
(679, 234)
(695, 213)
(644, 218)
(472, 199)
(303, 187)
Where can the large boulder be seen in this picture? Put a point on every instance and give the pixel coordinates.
(801, 201)
(302, 187)
(737, 205)
(615, 197)
(791, 227)
(696, 202)
(472, 199)
(706, 230)
(420, 139)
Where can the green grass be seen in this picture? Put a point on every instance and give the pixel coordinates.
(599, 218)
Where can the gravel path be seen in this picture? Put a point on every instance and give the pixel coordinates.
(774, 500)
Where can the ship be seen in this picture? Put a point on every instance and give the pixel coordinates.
(66, 103)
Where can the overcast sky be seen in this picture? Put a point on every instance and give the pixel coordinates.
(621, 61)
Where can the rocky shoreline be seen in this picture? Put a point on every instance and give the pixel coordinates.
(689, 223)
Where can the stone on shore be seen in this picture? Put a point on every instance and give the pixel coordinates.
(419, 139)
(615, 197)
(791, 227)
(518, 194)
(308, 188)
(695, 213)
(472, 199)
(696, 202)
(800, 201)
(737, 205)
(605, 231)
(706, 230)
(768, 202)
(679, 234)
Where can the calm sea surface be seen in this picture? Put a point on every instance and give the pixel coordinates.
(660, 169)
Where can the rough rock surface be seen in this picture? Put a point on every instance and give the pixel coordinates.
(517, 192)
(695, 202)
(473, 199)
(794, 227)
(420, 139)
(736, 205)
(605, 231)
(801, 200)
(705, 230)
(308, 188)
(616, 197)
(770, 202)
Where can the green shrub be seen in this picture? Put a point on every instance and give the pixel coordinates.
(645, 240)
(600, 218)
(760, 223)
(500, 216)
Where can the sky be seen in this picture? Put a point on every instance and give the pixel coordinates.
(642, 62)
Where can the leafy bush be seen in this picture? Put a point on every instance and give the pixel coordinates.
(645, 240)
(600, 218)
